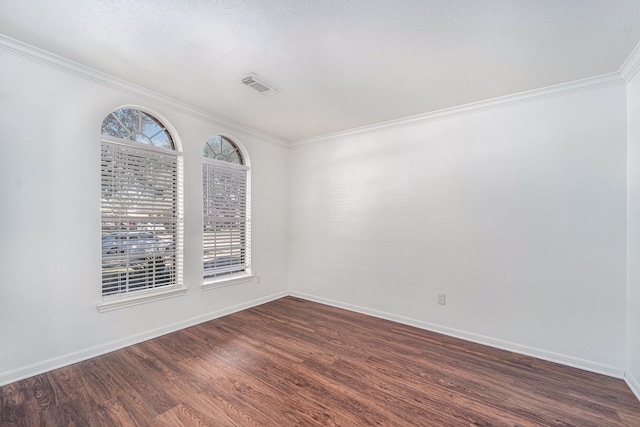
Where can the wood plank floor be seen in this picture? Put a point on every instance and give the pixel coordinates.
(292, 362)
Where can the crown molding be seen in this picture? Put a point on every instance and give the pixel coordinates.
(591, 83)
(51, 60)
(631, 65)
(35, 54)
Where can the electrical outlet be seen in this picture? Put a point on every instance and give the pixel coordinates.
(258, 278)
(442, 299)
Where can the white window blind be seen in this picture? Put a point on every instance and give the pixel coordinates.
(141, 227)
(226, 218)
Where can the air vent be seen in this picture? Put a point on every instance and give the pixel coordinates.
(258, 84)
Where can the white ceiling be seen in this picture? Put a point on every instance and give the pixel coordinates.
(339, 64)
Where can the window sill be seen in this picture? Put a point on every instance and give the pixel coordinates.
(142, 298)
(226, 281)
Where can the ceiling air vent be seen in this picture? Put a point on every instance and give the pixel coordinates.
(258, 84)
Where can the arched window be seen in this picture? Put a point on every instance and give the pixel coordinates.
(220, 148)
(140, 204)
(226, 209)
(138, 126)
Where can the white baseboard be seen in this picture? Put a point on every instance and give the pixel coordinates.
(633, 384)
(68, 359)
(58, 362)
(562, 359)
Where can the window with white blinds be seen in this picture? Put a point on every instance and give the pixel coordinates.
(226, 219)
(140, 210)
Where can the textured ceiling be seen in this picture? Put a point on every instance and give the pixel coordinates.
(339, 64)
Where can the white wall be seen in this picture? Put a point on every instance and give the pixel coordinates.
(633, 295)
(517, 214)
(50, 221)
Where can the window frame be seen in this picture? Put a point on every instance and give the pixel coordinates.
(150, 291)
(209, 165)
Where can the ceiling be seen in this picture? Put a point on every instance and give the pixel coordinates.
(338, 64)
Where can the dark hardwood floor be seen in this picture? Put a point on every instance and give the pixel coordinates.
(296, 363)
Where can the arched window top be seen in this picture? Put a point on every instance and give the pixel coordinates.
(220, 148)
(136, 125)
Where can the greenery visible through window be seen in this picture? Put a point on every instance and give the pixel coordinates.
(226, 210)
(141, 226)
(220, 148)
(136, 125)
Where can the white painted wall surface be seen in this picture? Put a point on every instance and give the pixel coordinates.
(50, 222)
(633, 257)
(517, 214)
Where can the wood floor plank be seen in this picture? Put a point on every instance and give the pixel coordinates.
(183, 415)
(66, 384)
(68, 414)
(293, 362)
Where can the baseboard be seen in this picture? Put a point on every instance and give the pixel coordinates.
(58, 362)
(562, 359)
(79, 356)
(633, 384)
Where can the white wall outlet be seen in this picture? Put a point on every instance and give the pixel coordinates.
(442, 299)
(258, 278)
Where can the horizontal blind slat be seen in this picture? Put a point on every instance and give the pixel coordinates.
(139, 217)
(224, 219)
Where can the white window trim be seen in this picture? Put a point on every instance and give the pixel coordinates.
(221, 282)
(225, 164)
(246, 275)
(116, 302)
